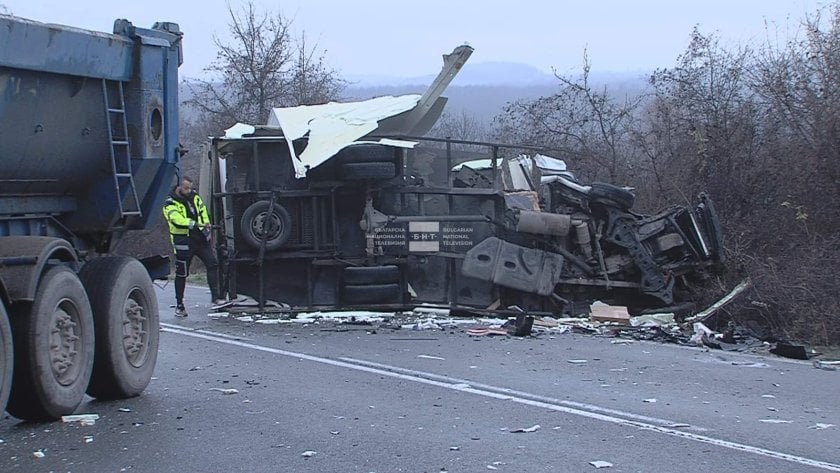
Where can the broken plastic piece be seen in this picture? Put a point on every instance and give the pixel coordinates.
(600, 464)
(86, 419)
(526, 430)
(226, 391)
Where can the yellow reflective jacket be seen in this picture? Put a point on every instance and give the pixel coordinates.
(175, 211)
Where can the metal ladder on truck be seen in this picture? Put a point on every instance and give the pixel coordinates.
(127, 201)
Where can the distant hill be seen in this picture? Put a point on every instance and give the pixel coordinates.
(483, 89)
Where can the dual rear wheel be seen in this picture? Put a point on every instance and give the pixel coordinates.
(95, 332)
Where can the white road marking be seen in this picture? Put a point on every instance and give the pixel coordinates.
(583, 410)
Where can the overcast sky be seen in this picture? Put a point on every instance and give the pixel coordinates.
(407, 38)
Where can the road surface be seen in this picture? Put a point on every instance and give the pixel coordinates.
(329, 397)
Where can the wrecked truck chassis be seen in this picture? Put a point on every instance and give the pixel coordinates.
(382, 237)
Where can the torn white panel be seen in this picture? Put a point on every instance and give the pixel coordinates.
(393, 142)
(333, 126)
(238, 131)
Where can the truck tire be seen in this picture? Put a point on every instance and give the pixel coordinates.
(53, 349)
(7, 357)
(371, 274)
(257, 224)
(127, 321)
(367, 171)
(607, 192)
(372, 294)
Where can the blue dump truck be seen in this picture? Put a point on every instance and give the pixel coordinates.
(88, 149)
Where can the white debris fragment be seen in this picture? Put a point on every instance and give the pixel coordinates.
(226, 391)
(601, 464)
(776, 421)
(454, 448)
(768, 396)
(431, 357)
(308, 453)
(38, 454)
(577, 362)
(650, 400)
(621, 341)
(491, 467)
(124, 409)
(533, 428)
(88, 438)
(83, 419)
(826, 365)
(821, 426)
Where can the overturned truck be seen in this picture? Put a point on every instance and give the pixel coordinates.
(395, 223)
(368, 229)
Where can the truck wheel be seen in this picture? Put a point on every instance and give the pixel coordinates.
(257, 224)
(7, 357)
(127, 321)
(372, 294)
(371, 274)
(367, 171)
(622, 198)
(53, 349)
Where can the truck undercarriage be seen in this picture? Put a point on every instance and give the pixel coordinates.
(385, 227)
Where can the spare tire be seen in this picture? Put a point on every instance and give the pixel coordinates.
(257, 224)
(608, 193)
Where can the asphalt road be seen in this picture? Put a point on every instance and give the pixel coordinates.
(326, 397)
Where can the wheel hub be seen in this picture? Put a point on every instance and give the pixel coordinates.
(135, 332)
(63, 344)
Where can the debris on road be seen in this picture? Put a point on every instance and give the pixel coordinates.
(797, 352)
(82, 419)
(653, 320)
(577, 362)
(38, 454)
(821, 426)
(486, 331)
(430, 357)
(826, 365)
(226, 390)
(600, 312)
(533, 428)
(702, 316)
(601, 464)
(308, 453)
(776, 421)
(650, 400)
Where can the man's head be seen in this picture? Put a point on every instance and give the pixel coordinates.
(185, 188)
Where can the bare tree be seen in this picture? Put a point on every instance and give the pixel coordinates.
(588, 125)
(460, 126)
(262, 68)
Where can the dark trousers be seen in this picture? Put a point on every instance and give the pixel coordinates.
(185, 248)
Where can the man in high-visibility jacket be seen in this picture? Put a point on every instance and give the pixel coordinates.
(189, 229)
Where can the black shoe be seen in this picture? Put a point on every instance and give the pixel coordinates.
(180, 311)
